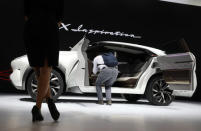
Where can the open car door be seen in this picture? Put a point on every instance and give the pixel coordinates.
(78, 76)
(179, 71)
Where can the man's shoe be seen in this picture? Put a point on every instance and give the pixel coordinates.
(53, 109)
(100, 102)
(109, 102)
(36, 114)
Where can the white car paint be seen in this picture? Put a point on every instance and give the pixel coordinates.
(75, 79)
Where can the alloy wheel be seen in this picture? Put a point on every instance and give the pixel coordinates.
(161, 91)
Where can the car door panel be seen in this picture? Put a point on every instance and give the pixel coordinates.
(80, 74)
(178, 70)
(176, 61)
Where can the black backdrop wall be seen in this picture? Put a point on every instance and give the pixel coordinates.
(156, 22)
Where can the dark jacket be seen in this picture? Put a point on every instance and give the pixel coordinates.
(51, 7)
(42, 31)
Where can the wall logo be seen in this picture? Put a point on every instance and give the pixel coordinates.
(80, 28)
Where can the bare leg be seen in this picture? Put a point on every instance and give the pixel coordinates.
(43, 84)
(37, 72)
(48, 95)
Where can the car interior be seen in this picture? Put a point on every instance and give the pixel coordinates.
(131, 64)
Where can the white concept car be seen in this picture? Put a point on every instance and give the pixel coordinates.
(142, 71)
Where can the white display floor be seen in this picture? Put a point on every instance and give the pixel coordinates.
(82, 114)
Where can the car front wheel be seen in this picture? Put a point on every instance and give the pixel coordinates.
(56, 85)
(158, 92)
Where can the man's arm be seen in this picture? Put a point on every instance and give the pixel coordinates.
(95, 68)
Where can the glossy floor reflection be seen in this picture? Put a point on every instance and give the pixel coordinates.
(82, 114)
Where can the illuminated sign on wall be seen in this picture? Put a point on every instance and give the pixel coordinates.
(80, 28)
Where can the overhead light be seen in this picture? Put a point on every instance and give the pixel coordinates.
(187, 2)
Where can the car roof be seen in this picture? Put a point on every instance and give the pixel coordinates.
(151, 49)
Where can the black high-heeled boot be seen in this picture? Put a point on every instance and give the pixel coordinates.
(53, 109)
(36, 114)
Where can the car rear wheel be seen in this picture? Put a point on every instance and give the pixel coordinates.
(131, 97)
(158, 92)
(56, 85)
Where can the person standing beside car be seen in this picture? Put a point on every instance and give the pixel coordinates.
(106, 66)
(42, 21)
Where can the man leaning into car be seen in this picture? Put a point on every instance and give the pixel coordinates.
(106, 67)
